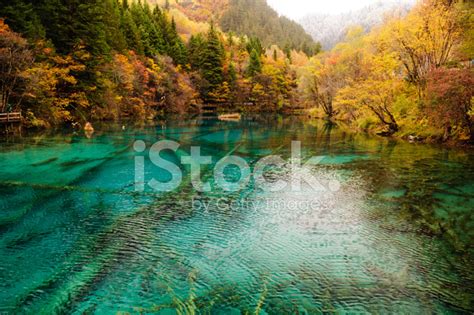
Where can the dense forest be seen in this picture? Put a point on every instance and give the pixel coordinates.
(256, 18)
(66, 61)
(412, 76)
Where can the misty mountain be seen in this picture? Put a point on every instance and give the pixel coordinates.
(329, 29)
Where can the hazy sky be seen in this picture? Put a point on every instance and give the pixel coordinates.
(298, 8)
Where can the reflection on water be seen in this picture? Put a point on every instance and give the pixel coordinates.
(75, 237)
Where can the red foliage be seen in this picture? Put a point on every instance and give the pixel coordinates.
(450, 93)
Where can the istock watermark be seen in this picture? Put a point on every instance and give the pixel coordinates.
(299, 173)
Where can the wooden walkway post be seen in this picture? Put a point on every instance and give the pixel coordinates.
(10, 120)
(6, 118)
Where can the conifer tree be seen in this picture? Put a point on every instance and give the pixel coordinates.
(125, 5)
(131, 32)
(255, 64)
(232, 74)
(113, 30)
(176, 48)
(254, 44)
(68, 30)
(213, 59)
(22, 17)
(196, 48)
(157, 37)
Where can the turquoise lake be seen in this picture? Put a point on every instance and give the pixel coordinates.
(392, 233)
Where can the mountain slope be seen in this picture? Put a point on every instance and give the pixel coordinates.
(330, 29)
(254, 18)
(196, 10)
(257, 18)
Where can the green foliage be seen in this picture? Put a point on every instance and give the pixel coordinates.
(256, 19)
(112, 21)
(254, 44)
(213, 60)
(255, 64)
(196, 47)
(131, 32)
(108, 58)
(65, 26)
(175, 46)
(232, 74)
(22, 18)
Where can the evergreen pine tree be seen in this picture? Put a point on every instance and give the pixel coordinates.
(176, 48)
(131, 32)
(64, 21)
(213, 58)
(22, 17)
(287, 51)
(125, 5)
(112, 21)
(196, 47)
(255, 64)
(143, 20)
(254, 44)
(157, 39)
(232, 74)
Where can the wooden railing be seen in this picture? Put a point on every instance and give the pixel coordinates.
(10, 117)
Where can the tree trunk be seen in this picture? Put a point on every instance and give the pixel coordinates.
(393, 127)
(447, 133)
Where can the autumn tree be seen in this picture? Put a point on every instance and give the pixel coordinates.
(53, 93)
(425, 38)
(322, 81)
(377, 91)
(326, 74)
(15, 58)
(449, 100)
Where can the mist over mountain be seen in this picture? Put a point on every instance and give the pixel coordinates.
(330, 29)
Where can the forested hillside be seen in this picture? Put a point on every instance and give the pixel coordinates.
(90, 59)
(257, 18)
(412, 76)
(329, 29)
(253, 18)
(196, 10)
(69, 61)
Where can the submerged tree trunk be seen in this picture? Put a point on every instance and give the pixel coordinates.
(326, 102)
(385, 117)
(447, 132)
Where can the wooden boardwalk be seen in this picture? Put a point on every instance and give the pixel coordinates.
(6, 118)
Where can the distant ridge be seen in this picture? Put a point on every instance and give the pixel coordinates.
(330, 29)
(254, 18)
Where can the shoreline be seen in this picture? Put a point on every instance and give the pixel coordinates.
(251, 116)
